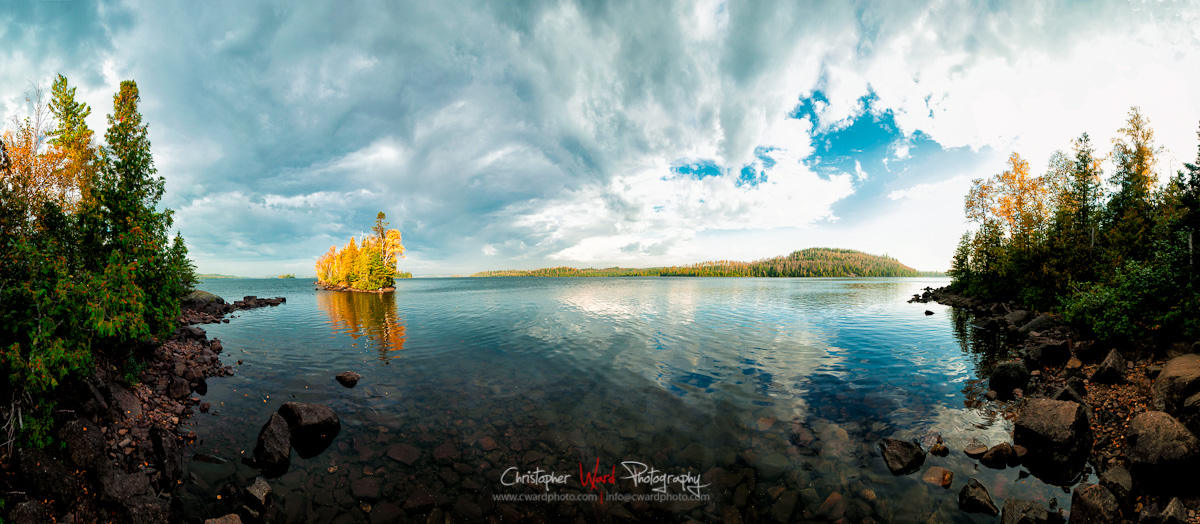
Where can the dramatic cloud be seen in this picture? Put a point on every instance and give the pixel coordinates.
(524, 134)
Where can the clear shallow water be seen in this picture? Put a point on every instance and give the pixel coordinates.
(785, 386)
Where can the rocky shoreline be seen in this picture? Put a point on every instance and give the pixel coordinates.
(120, 458)
(1129, 415)
(334, 287)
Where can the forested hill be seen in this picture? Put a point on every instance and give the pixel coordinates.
(812, 262)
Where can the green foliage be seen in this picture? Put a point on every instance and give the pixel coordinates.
(85, 280)
(1120, 264)
(812, 262)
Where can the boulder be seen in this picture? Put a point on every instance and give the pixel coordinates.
(1189, 414)
(1041, 323)
(1047, 353)
(1077, 384)
(1058, 437)
(1018, 317)
(1006, 377)
(974, 498)
(1119, 482)
(1068, 394)
(1178, 380)
(1094, 504)
(348, 378)
(1111, 370)
(29, 512)
(85, 443)
(167, 455)
(46, 474)
(119, 487)
(313, 426)
(258, 494)
(197, 299)
(901, 456)
(999, 456)
(1160, 449)
(147, 509)
(274, 449)
(1017, 511)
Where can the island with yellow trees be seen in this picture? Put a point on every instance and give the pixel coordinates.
(369, 265)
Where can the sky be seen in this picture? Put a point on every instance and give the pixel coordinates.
(525, 134)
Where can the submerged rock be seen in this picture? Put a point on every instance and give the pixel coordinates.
(1058, 437)
(273, 452)
(974, 498)
(902, 457)
(1000, 456)
(313, 426)
(938, 476)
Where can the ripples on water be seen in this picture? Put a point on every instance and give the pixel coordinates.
(783, 385)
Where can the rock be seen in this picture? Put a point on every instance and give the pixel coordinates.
(1058, 437)
(1017, 511)
(446, 452)
(179, 388)
(1160, 449)
(125, 402)
(1077, 384)
(231, 518)
(928, 312)
(1006, 377)
(29, 512)
(974, 498)
(1119, 483)
(1000, 456)
(487, 443)
(1066, 394)
(404, 453)
(1153, 370)
(938, 476)
(1094, 504)
(420, 497)
(902, 457)
(313, 426)
(1017, 318)
(1050, 353)
(975, 450)
(1073, 367)
(1175, 513)
(46, 474)
(784, 505)
(986, 323)
(939, 449)
(167, 456)
(274, 449)
(197, 299)
(85, 443)
(120, 487)
(199, 385)
(1111, 370)
(366, 488)
(348, 378)
(147, 509)
(1178, 380)
(258, 493)
(386, 513)
(991, 395)
(1189, 415)
(1041, 323)
(832, 508)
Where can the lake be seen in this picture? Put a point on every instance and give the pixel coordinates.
(674, 399)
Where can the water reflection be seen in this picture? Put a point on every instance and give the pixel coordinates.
(372, 315)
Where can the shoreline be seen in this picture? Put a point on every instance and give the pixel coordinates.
(1119, 388)
(122, 444)
(330, 287)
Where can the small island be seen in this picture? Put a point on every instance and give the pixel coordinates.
(287, 275)
(367, 266)
(811, 262)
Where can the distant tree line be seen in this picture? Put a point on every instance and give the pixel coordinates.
(1115, 254)
(368, 265)
(87, 269)
(812, 262)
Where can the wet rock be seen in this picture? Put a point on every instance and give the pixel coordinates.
(1119, 483)
(975, 450)
(1094, 504)
(387, 513)
(1017, 511)
(1006, 377)
(274, 449)
(902, 457)
(1111, 370)
(258, 494)
(85, 443)
(366, 488)
(1178, 380)
(167, 456)
(405, 453)
(446, 452)
(147, 509)
(784, 506)
(1041, 323)
(1160, 448)
(1058, 437)
(974, 498)
(487, 443)
(231, 518)
(833, 508)
(928, 312)
(1049, 353)
(1000, 456)
(938, 476)
(313, 426)
(46, 474)
(348, 378)
(939, 449)
(420, 497)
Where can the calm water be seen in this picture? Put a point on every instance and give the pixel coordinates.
(771, 389)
